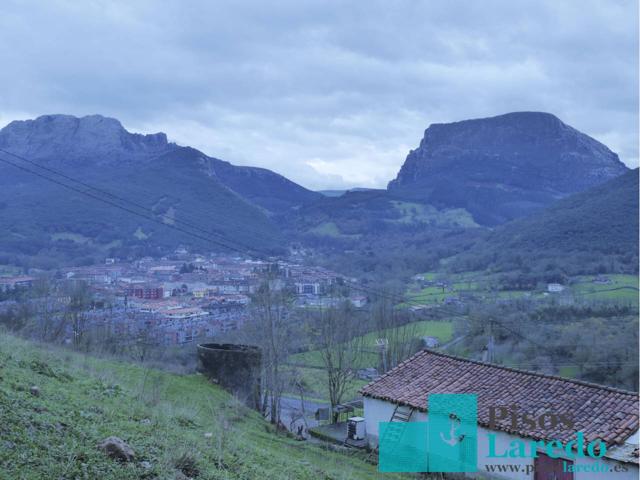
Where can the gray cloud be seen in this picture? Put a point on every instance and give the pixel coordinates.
(329, 93)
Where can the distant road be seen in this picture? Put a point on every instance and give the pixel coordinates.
(452, 342)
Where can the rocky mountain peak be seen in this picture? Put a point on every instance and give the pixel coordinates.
(511, 163)
(93, 137)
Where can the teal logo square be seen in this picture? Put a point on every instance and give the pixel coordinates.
(446, 442)
(453, 433)
(403, 447)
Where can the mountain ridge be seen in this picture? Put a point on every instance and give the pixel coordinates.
(480, 172)
(503, 167)
(98, 140)
(92, 136)
(172, 184)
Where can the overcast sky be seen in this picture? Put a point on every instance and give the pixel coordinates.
(331, 94)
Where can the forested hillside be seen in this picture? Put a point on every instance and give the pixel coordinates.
(590, 232)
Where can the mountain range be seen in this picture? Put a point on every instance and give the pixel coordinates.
(470, 174)
(94, 141)
(171, 184)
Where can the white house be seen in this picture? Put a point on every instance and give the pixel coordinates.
(358, 301)
(555, 287)
(599, 412)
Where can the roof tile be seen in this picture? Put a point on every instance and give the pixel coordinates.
(598, 411)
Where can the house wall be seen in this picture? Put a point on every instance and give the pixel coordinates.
(376, 411)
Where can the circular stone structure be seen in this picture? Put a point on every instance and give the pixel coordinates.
(235, 367)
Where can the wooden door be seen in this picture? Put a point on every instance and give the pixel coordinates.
(547, 468)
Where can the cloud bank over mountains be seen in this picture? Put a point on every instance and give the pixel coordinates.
(328, 93)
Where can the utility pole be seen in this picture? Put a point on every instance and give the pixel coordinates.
(488, 353)
(382, 345)
(491, 343)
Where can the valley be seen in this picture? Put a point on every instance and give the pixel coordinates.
(248, 240)
(144, 249)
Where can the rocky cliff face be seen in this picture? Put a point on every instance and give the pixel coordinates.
(504, 167)
(92, 138)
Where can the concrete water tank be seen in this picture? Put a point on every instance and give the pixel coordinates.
(235, 367)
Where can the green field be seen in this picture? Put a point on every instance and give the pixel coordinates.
(464, 283)
(442, 330)
(164, 417)
(8, 270)
(420, 213)
(74, 237)
(569, 371)
(316, 384)
(621, 289)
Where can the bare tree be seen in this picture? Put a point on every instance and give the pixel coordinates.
(143, 345)
(339, 341)
(269, 329)
(45, 306)
(75, 314)
(397, 330)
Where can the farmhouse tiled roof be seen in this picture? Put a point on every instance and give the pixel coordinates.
(598, 411)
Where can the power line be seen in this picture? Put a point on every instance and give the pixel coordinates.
(246, 251)
(128, 210)
(107, 193)
(251, 252)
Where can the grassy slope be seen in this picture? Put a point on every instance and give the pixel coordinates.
(329, 229)
(621, 288)
(371, 212)
(478, 284)
(84, 399)
(412, 212)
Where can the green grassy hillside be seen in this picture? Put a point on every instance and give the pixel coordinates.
(47, 222)
(359, 212)
(176, 423)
